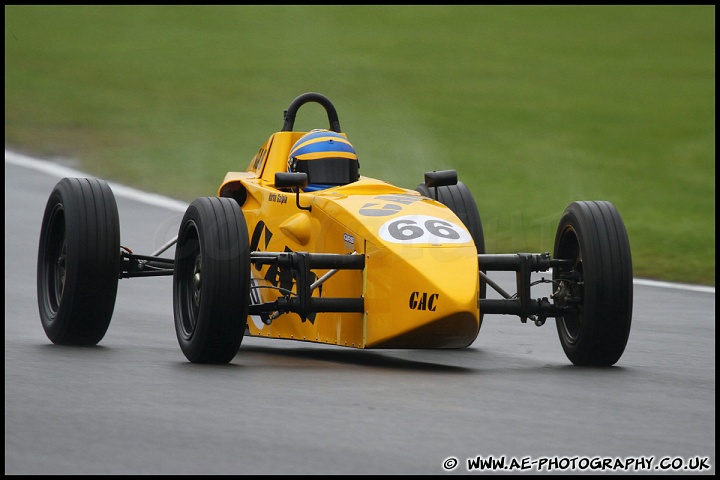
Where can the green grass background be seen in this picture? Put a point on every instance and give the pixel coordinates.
(535, 106)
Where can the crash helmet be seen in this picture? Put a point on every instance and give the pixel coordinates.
(327, 157)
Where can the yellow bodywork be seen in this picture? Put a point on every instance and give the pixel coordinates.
(420, 283)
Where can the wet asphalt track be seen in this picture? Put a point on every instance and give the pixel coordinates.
(134, 405)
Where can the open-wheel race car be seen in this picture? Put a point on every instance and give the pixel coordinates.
(301, 246)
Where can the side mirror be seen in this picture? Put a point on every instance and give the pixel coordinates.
(441, 178)
(294, 180)
(291, 179)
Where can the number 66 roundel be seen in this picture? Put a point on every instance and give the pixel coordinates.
(420, 229)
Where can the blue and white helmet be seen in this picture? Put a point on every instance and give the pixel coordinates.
(327, 157)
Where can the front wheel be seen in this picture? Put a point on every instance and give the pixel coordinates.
(211, 281)
(597, 285)
(79, 261)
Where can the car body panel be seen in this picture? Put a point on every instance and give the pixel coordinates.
(420, 283)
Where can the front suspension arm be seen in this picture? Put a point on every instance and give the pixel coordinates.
(523, 305)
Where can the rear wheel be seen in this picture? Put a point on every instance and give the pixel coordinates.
(460, 200)
(211, 281)
(598, 284)
(79, 261)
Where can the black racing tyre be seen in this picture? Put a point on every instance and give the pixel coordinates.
(79, 261)
(460, 200)
(599, 283)
(211, 281)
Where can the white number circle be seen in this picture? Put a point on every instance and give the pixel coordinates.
(421, 229)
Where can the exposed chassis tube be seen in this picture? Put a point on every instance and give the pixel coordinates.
(301, 263)
(523, 264)
(302, 303)
(145, 265)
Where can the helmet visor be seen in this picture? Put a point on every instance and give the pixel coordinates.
(329, 171)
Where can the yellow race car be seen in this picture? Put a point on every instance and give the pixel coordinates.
(300, 246)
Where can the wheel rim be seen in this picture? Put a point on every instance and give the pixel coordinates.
(570, 284)
(55, 261)
(196, 284)
(190, 276)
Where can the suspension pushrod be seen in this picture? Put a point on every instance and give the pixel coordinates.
(315, 260)
(165, 247)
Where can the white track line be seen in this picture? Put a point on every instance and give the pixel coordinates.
(158, 200)
(681, 286)
(119, 190)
